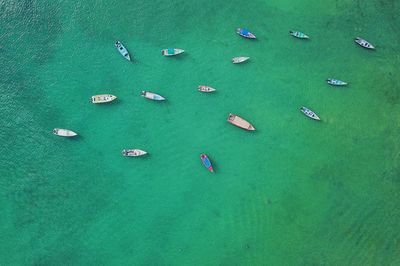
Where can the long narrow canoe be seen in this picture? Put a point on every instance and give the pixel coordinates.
(309, 113)
(133, 152)
(64, 132)
(103, 98)
(298, 34)
(240, 59)
(152, 96)
(336, 82)
(240, 122)
(204, 88)
(171, 51)
(206, 162)
(122, 50)
(364, 43)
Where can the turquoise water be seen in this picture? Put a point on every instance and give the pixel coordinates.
(294, 192)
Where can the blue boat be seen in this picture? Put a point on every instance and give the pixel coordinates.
(206, 162)
(245, 33)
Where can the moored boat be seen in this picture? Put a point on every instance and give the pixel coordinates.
(122, 50)
(64, 132)
(336, 82)
(309, 113)
(103, 98)
(240, 122)
(206, 162)
(298, 34)
(204, 88)
(133, 152)
(171, 51)
(363, 43)
(152, 96)
(245, 33)
(240, 59)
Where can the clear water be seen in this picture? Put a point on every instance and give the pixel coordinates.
(294, 192)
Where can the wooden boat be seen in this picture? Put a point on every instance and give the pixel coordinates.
(239, 122)
(122, 50)
(64, 132)
(245, 33)
(364, 43)
(171, 51)
(103, 98)
(133, 152)
(206, 162)
(240, 59)
(204, 88)
(152, 96)
(298, 34)
(336, 82)
(309, 113)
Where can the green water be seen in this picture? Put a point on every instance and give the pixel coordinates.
(294, 192)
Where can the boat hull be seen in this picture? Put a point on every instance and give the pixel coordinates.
(307, 112)
(64, 132)
(240, 59)
(203, 88)
(172, 51)
(133, 152)
(364, 43)
(152, 96)
(206, 162)
(103, 98)
(245, 33)
(240, 122)
(299, 35)
(336, 82)
(122, 50)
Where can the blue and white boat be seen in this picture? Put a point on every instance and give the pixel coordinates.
(309, 113)
(298, 34)
(171, 51)
(336, 82)
(122, 50)
(206, 162)
(245, 33)
(152, 96)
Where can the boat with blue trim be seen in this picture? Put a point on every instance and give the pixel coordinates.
(336, 82)
(122, 50)
(171, 51)
(206, 162)
(298, 34)
(245, 33)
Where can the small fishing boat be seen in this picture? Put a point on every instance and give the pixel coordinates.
(103, 98)
(336, 82)
(64, 132)
(298, 34)
(206, 162)
(240, 59)
(309, 113)
(171, 51)
(122, 50)
(364, 43)
(239, 122)
(152, 96)
(203, 88)
(245, 33)
(133, 152)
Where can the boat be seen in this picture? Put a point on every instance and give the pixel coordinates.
(133, 152)
(298, 34)
(245, 33)
(336, 82)
(240, 59)
(122, 50)
(206, 162)
(103, 98)
(152, 96)
(171, 51)
(64, 132)
(240, 122)
(309, 113)
(204, 88)
(364, 43)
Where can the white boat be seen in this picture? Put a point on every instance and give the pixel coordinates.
(103, 98)
(152, 96)
(133, 152)
(204, 88)
(336, 82)
(364, 43)
(171, 51)
(240, 122)
(309, 113)
(240, 59)
(122, 50)
(64, 132)
(298, 34)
